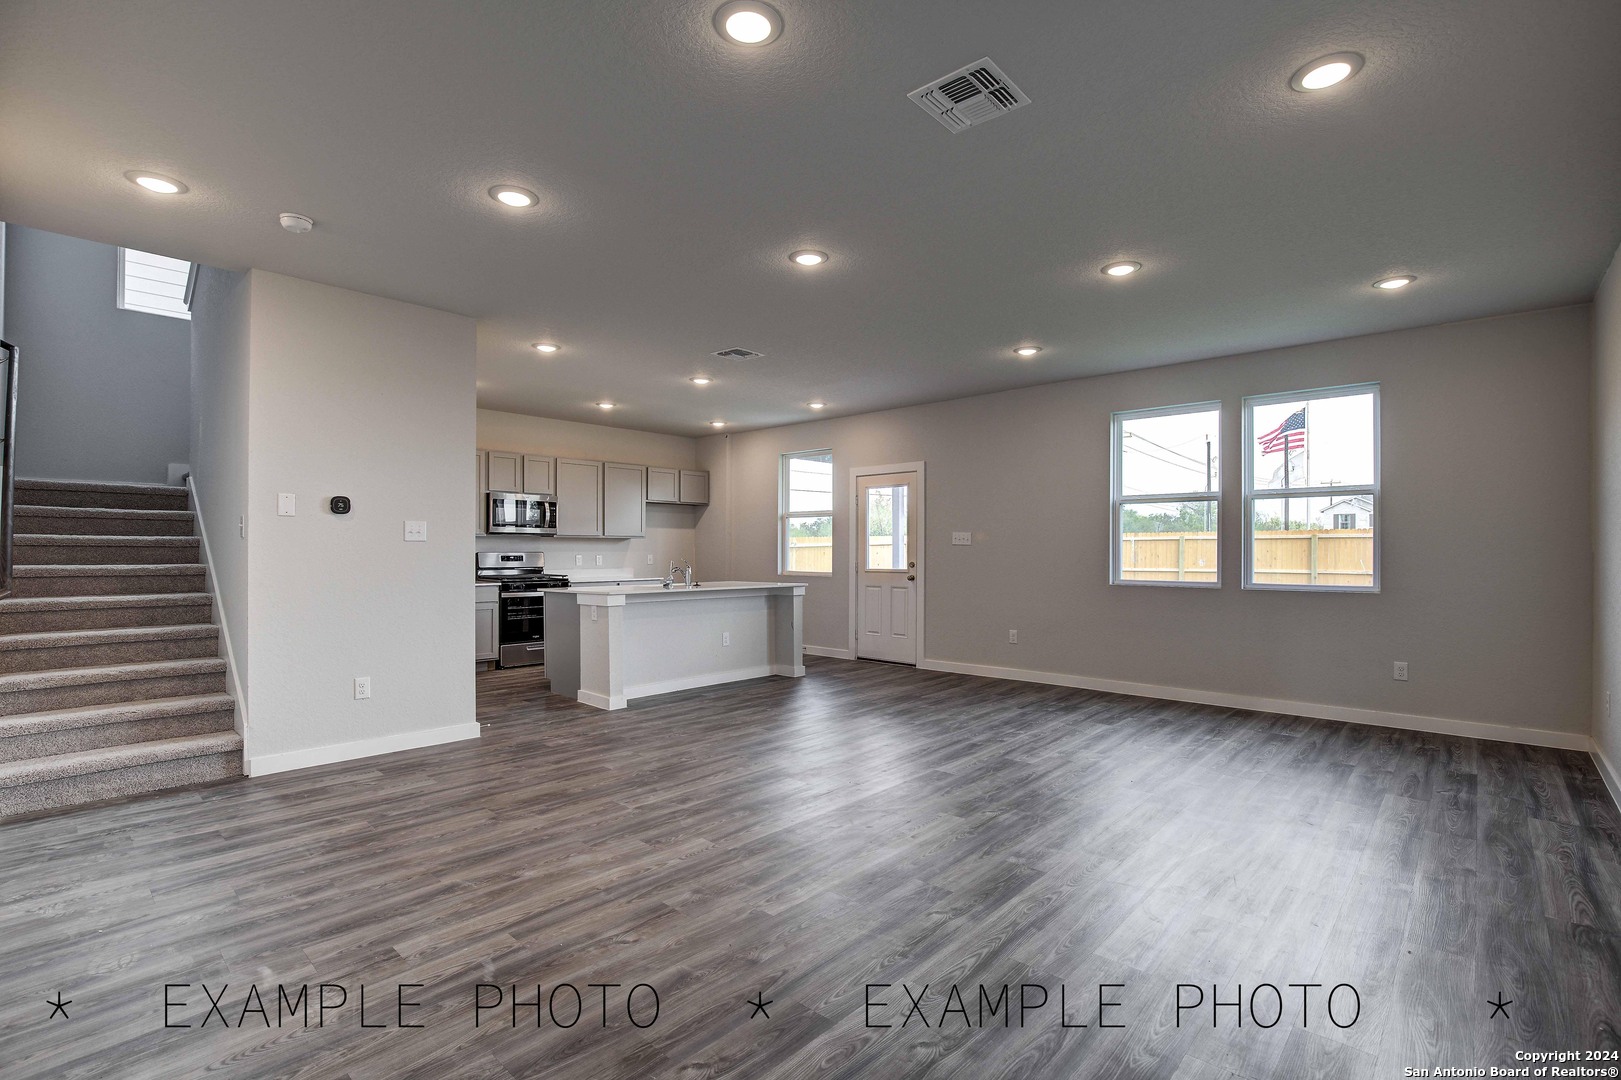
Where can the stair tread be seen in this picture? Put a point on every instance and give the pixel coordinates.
(94, 603)
(106, 569)
(117, 486)
(78, 676)
(118, 712)
(94, 540)
(50, 639)
(46, 510)
(106, 759)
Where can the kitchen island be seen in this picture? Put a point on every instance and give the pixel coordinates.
(609, 645)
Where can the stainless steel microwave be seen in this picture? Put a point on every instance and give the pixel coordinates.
(513, 512)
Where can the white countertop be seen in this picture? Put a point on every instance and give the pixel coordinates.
(577, 573)
(706, 588)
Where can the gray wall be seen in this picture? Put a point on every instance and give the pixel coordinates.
(318, 391)
(671, 530)
(105, 393)
(1487, 560)
(1607, 520)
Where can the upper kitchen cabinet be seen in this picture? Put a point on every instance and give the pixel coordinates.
(579, 497)
(694, 487)
(663, 485)
(504, 471)
(539, 475)
(624, 500)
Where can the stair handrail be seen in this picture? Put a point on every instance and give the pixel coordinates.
(8, 466)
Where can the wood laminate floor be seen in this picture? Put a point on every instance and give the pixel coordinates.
(802, 839)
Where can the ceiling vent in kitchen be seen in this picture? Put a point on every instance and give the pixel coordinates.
(969, 96)
(738, 354)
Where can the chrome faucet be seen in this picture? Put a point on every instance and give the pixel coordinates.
(675, 568)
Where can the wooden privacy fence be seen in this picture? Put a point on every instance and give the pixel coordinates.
(1296, 557)
(814, 554)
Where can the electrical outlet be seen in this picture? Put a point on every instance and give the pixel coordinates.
(286, 504)
(650, 560)
(593, 613)
(599, 560)
(362, 687)
(725, 638)
(242, 527)
(416, 532)
(1400, 674)
(579, 560)
(962, 539)
(1012, 637)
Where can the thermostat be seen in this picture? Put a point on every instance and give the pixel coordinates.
(340, 504)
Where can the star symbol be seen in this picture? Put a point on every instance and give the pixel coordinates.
(1500, 1006)
(59, 1006)
(759, 1003)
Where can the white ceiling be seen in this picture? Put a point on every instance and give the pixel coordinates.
(1480, 148)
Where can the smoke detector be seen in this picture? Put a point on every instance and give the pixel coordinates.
(970, 95)
(296, 223)
(738, 354)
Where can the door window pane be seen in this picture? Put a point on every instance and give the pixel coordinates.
(885, 514)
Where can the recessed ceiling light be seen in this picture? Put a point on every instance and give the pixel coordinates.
(546, 346)
(605, 405)
(700, 380)
(1400, 281)
(1326, 71)
(1122, 269)
(815, 404)
(748, 22)
(518, 197)
(1028, 350)
(807, 257)
(157, 182)
(717, 423)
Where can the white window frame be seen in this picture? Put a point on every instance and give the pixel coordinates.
(1370, 491)
(785, 518)
(120, 301)
(1117, 499)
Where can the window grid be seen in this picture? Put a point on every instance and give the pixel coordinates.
(1337, 492)
(1121, 502)
(154, 284)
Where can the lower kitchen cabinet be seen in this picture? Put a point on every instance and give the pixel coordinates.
(486, 619)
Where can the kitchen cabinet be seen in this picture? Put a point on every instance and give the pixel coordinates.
(538, 475)
(486, 617)
(579, 497)
(663, 485)
(694, 487)
(624, 499)
(504, 471)
(479, 460)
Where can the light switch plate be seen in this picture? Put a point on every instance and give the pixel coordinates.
(416, 532)
(285, 504)
(962, 539)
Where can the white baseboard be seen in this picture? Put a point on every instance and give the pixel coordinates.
(600, 701)
(1438, 725)
(265, 764)
(823, 650)
(693, 682)
(1608, 773)
(218, 618)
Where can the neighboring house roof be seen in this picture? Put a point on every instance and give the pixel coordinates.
(1361, 502)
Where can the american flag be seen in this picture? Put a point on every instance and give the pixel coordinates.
(1289, 435)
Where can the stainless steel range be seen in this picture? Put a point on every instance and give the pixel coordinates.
(522, 626)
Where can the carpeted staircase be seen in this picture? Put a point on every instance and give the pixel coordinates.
(110, 678)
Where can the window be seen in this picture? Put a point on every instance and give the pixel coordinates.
(155, 284)
(1166, 506)
(1311, 490)
(807, 513)
(886, 527)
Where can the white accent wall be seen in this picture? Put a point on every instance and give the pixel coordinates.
(1607, 523)
(1487, 560)
(340, 393)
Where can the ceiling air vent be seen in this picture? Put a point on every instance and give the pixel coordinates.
(738, 354)
(969, 96)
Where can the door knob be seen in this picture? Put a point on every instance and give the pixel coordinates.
(911, 577)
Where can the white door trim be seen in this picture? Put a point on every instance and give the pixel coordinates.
(853, 527)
